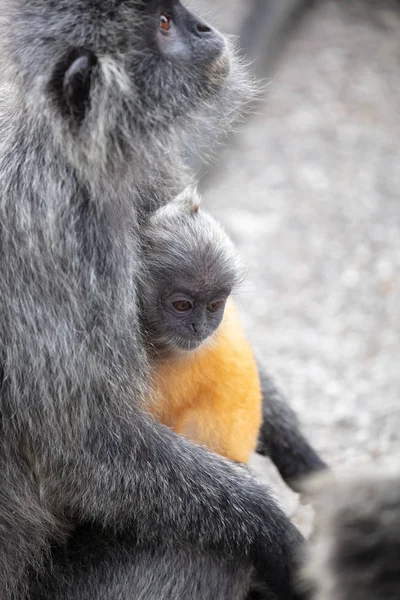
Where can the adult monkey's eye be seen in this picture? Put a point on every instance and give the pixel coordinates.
(165, 22)
(215, 306)
(182, 305)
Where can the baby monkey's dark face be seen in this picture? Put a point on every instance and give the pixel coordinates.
(188, 318)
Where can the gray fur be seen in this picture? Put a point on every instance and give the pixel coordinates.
(355, 554)
(75, 450)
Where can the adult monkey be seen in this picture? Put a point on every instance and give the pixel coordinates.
(94, 97)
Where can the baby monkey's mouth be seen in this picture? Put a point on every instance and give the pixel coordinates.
(173, 344)
(191, 343)
(188, 345)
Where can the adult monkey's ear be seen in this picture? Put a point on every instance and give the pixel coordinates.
(76, 72)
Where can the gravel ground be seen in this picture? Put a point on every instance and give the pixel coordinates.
(309, 191)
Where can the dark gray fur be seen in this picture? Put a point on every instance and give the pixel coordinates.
(75, 449)
(114, 571)
(356, 550)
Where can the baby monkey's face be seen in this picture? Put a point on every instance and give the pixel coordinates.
(188, 318)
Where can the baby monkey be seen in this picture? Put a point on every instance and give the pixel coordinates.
(205, 378)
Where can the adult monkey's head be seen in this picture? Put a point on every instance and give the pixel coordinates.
(117, 77)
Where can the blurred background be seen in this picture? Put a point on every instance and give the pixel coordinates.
(308, 188)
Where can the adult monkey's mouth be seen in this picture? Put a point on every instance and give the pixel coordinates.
(221, 67)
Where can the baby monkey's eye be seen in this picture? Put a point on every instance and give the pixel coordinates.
(215, 306)
(182, 305)
(165, 22)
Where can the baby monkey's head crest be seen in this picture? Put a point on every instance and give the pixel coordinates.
(187, 203)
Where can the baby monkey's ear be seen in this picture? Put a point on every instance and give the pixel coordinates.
(73, 78)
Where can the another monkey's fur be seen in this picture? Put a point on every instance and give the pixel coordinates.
(356, 551)
(210, 393)
(95, 100)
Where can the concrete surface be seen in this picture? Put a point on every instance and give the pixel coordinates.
(309, 191)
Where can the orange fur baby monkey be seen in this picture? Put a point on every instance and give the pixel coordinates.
(205, 378)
